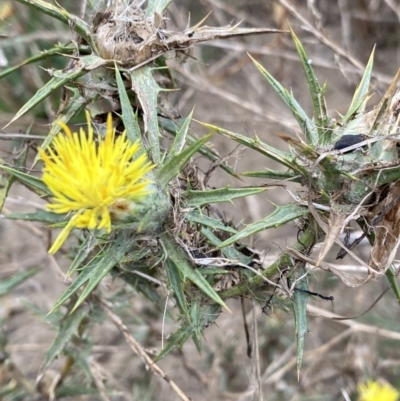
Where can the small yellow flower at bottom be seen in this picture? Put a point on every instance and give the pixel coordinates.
(375, 391)
(93, 181)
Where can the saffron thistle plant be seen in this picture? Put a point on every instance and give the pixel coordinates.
(144, 214)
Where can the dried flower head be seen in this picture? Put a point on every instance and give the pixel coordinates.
(93, 181)
(375, 391)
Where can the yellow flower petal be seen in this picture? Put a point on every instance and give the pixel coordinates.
(63, 235)
(375, 391)
(88, 177)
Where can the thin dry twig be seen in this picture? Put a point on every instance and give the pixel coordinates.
(82, 9)
(12, 137)
(279, 361)
(286, 54)
(331, 44)
(163, 319)
(315, 13)
(345, 394)
(30, 38)
(137, 348)
(344, 9)
(236, 13)
(277, 375)
(205, 86)
(360, 327)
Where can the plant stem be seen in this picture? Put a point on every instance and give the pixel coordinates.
(305, 241)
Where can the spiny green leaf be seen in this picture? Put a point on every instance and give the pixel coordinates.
(128, 116)
(96, 269)
(156, 6)
(75, 391)
(140, 284)
(17, 278)
(195, 318)
(174, 126)
(60, 78)
(19, 151)
(196, 217)
(40, 215)
(52, 320)
(300, 300)
(174, 166)
(33, 183)
(147, 89)
(211, 271)
(177, 255)
(209, 314)
(175, 280)
(306, 123)
(200, 198)
(272, 174)
(107, 260)
(317, 93)
(74, 105)
(57, 50)
(176, 340)
(327, 164)
(73, 21)
(5, 185)
(383, 150)
(135, 256)
(76, 284)
(68, 328)
(81, 355)
(281, 215)
(360, 97)
(180, 138)
(230, 252)
(87, 246)
(283, 158)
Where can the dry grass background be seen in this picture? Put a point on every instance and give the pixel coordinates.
(226, 89)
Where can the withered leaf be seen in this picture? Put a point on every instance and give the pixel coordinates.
(386, 221)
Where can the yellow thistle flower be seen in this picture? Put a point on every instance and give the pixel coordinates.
(93, 181)
(375, 391)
